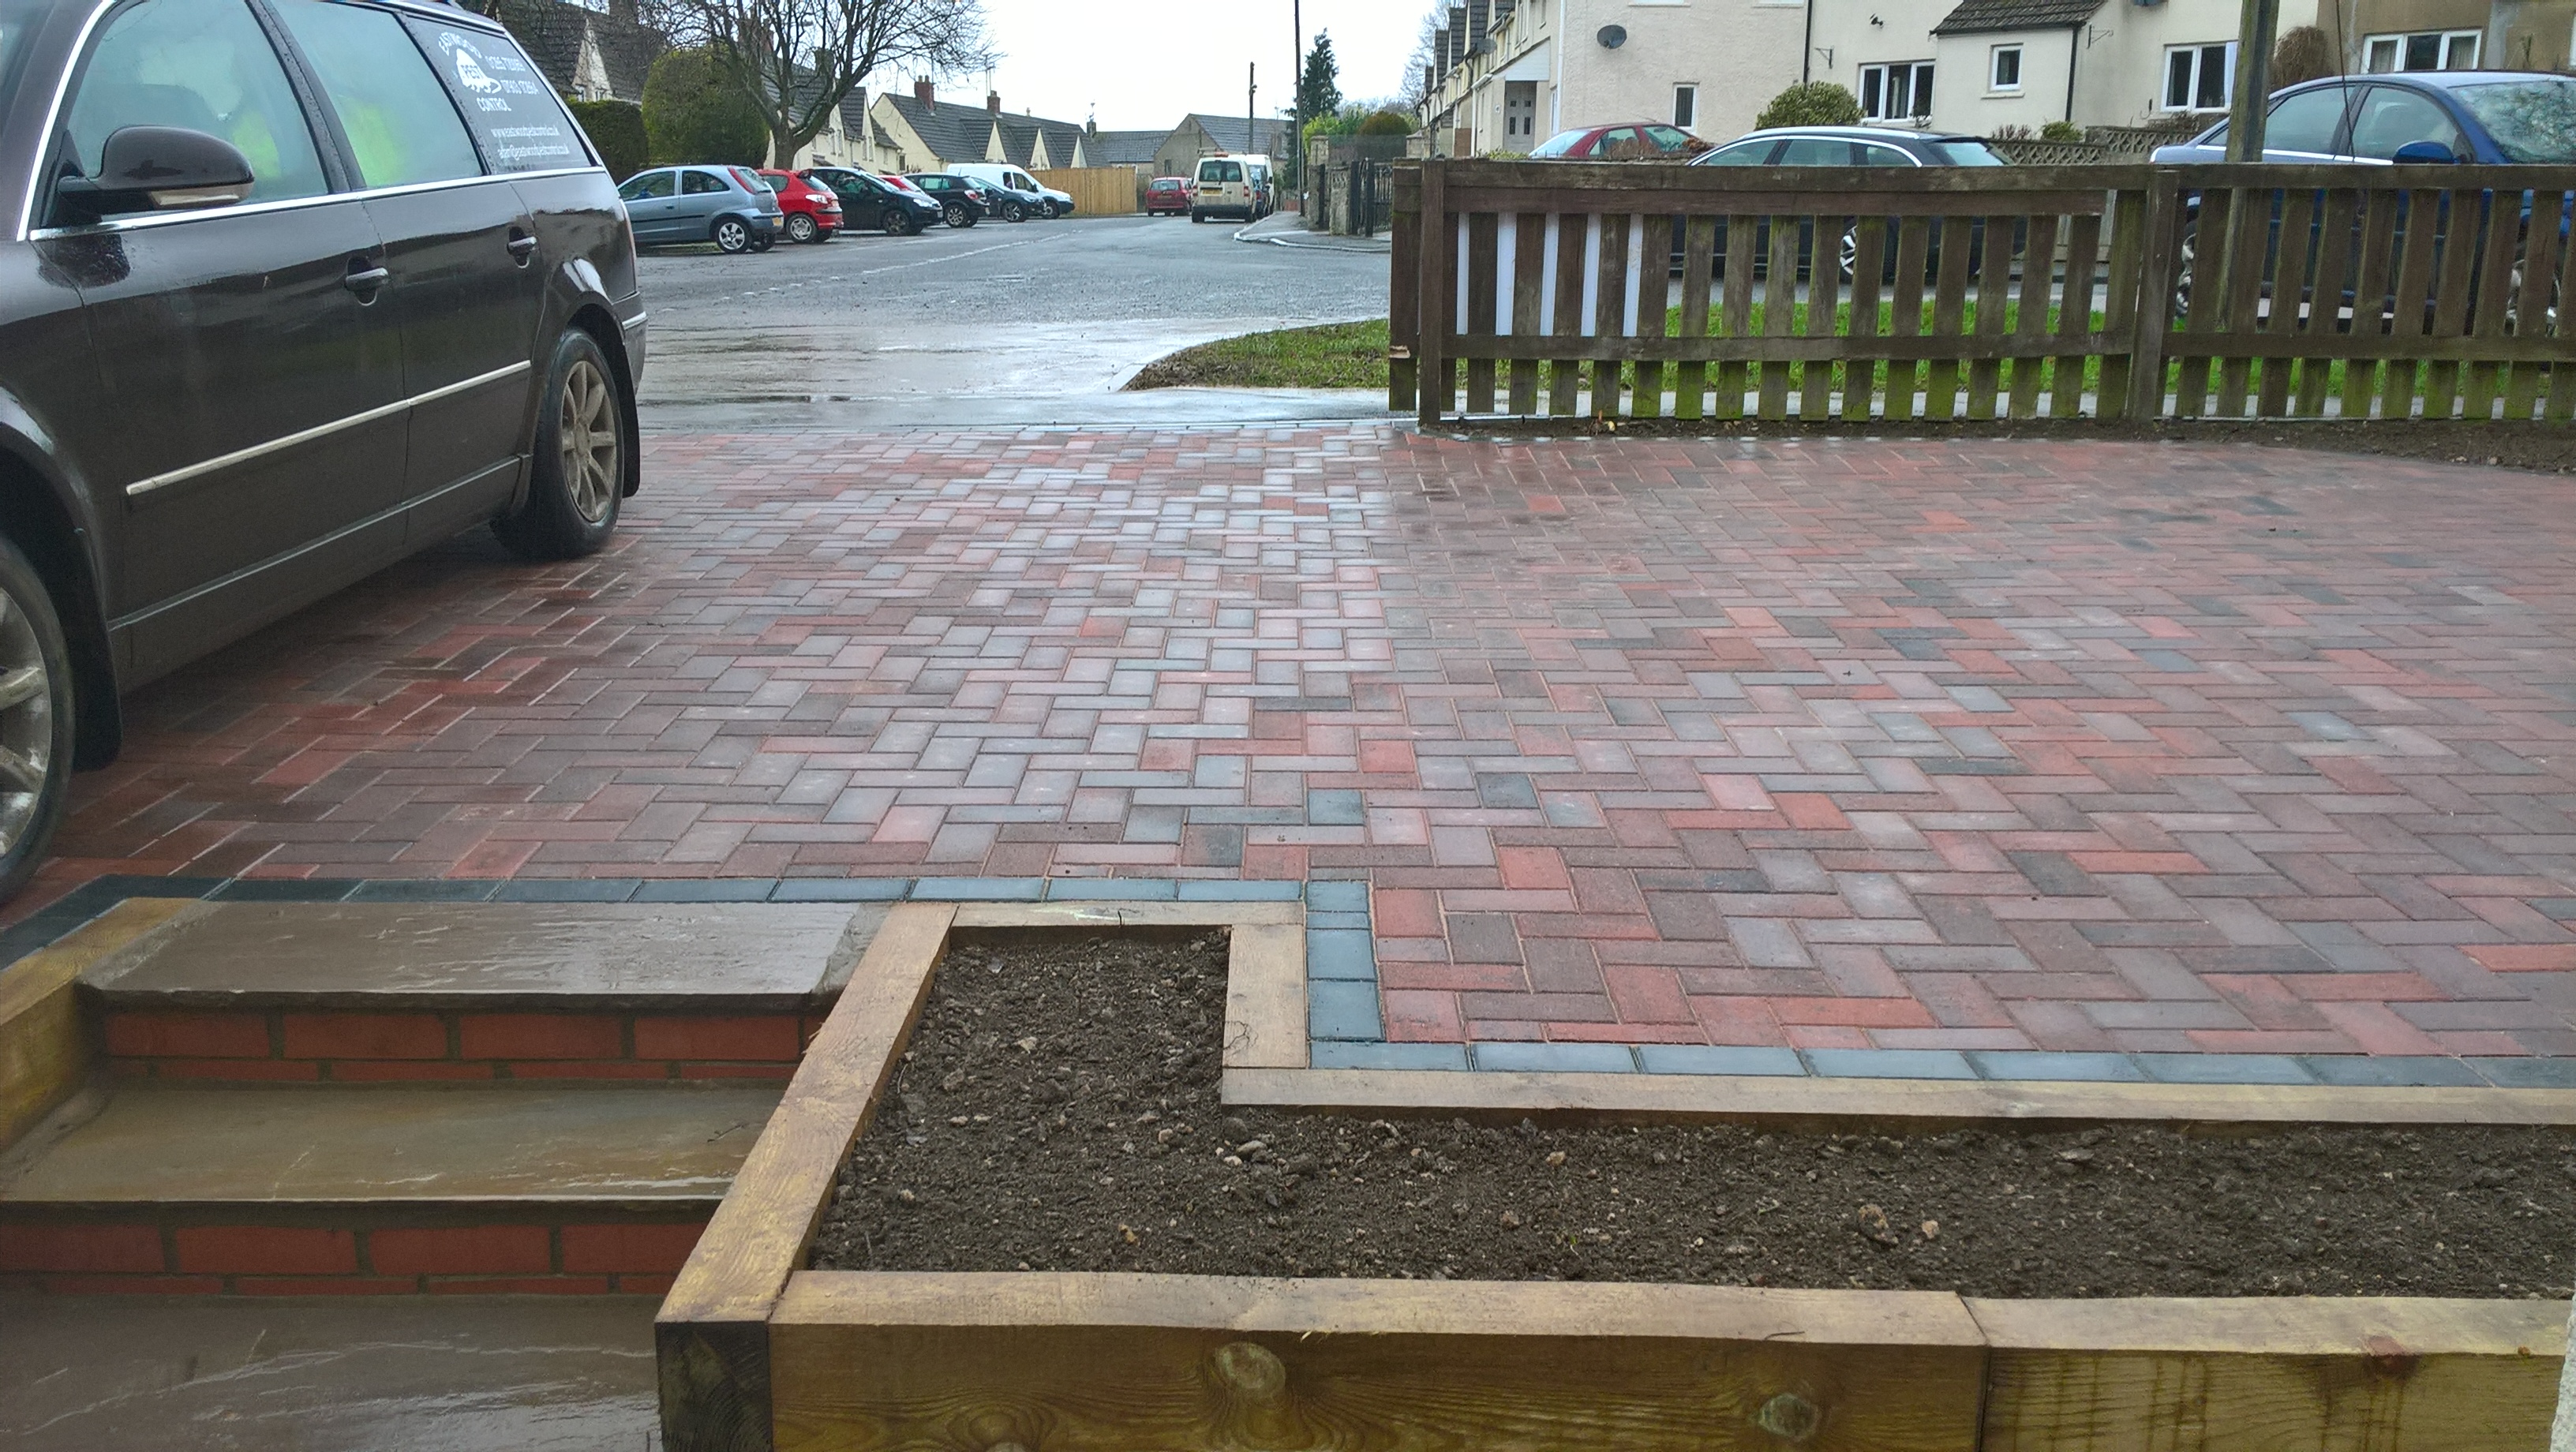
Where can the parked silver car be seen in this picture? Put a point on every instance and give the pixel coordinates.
(727, 205)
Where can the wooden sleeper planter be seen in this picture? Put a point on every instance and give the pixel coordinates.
(758, 1353)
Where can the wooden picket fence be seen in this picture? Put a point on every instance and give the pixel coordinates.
(1551, 289)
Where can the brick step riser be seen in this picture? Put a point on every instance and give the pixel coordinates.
(336, 1250)
(285, 1045)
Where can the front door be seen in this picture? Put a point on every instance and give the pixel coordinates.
(652, 200)
(250, 355)
(460, 247)
(1520, 115)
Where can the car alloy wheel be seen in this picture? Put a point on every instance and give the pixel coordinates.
(954, 214)
(896, 224)
(1014, 212)
(732, 236)
(35, 720)
(587, 434)
(801, 228)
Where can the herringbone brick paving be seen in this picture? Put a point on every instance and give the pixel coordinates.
(1999, 745)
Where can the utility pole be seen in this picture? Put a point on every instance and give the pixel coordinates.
(2249, 108)
(1252, 88)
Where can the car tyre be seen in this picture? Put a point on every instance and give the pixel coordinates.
(732, 236)
(36, 721)
(763, 241)
(577, 472)
(896, 224)
(801, 228)
(1014, 212)
(1197, 216)
(954, 214)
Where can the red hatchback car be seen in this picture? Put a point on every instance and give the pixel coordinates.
(813, 214)
(1635, 141)
(1167, 194)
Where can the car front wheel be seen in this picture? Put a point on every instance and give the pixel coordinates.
(801, 228)
(577, 473)
(732, 236)
(1014, 212)
(35, 720)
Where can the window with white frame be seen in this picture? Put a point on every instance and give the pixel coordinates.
(2199, 77)
(2425, 50)
(2003, 68)
(1686, 106)
(1896, 90)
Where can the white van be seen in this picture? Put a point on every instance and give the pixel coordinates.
(1228, 186)
(1051, 203)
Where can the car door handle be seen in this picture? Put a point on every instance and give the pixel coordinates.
(365, 277)
(522, 246)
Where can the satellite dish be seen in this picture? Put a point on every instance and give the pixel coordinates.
(1612, 36)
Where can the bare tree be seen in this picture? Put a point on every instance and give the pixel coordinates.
(1412, 92)
(799, 59)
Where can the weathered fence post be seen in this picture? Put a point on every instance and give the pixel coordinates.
(1403, 297)
(2154, 316)
(1433, 244)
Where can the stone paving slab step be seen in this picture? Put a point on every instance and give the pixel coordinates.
(701, 957)
(147, 1144)
(470, 1374)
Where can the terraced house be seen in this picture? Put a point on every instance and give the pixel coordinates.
(1507, 74)
(920, 132)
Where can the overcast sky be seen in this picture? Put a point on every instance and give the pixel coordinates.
(1140, 65)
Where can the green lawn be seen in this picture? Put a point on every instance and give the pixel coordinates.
(1353, 355)
(1336, 355)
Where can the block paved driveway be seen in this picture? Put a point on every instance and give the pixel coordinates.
(2008, 745)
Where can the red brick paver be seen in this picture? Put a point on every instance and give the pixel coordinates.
(2007, 745)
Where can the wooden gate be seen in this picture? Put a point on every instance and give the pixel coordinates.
(1586, 290)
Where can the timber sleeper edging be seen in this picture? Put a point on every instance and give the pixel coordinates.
(757, 1352)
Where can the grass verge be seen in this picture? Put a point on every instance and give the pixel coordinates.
(1336, 355)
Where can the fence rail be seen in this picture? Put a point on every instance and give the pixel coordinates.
(1560, 290)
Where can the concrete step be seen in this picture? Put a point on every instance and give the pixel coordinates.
(380, 992)
(204, 1374)
(393, 1189)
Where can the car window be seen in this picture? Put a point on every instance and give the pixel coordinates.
(2306, 122)
(773, 183)
(1220, 171)
(1620, 144)
(401, 126)
(700, 183)
(1870, 153)
(650, 184)
(2532, 118)
(1561, 144)
(1816, 151)
(1964, 152)
(516, 120)
(204, 65)
(2389, 118)
(1670, 138)
(1742, 153)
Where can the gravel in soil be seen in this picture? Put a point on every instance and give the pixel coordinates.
(1058, 1110)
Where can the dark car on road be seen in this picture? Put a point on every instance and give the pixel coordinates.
(963, 201)
(1847, 146)
(293, 288)
(873, 204)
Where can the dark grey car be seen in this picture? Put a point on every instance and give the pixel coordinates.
(291, 289)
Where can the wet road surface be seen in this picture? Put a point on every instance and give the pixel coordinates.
(994, 324)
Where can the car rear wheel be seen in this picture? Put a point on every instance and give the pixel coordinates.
(763, 241)
(1197, 216)
(733, 235)
(36, 722)
(954, 214)
(577, 473)
(801, 228)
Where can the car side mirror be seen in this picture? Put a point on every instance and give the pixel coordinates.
(158, 169)
(2419, 153)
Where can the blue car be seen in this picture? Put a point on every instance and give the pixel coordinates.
(2489, 117)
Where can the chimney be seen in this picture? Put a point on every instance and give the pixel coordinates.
(1440, 51)
(993, 102)
(624, 10)
(922, 92)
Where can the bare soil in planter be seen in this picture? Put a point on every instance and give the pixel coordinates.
(1058, 1110)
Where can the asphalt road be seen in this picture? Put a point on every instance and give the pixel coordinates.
(1035, 323)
